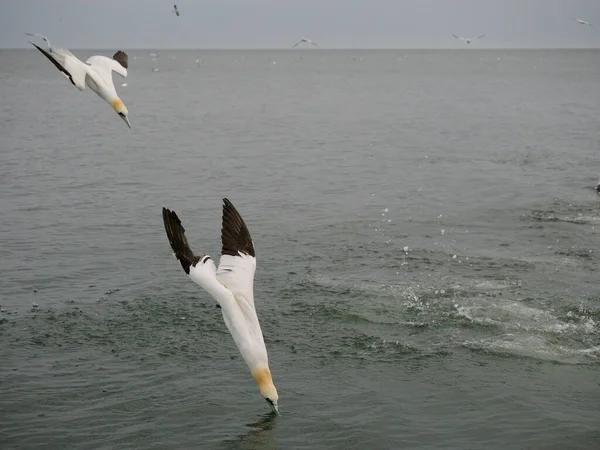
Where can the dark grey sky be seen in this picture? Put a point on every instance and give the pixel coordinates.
(133, 24)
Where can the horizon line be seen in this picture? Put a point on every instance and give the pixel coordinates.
(321, 48)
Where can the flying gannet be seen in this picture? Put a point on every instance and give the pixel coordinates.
(583, 22)
(308, 41)
(95, 73)
(468, 40)
(231, 285)
(175, 10)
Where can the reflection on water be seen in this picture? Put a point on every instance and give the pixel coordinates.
(260, 436)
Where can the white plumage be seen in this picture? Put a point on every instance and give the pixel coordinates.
(232, 286)
(95, 73)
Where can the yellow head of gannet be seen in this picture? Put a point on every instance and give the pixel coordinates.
(267, 388)
(121, 110)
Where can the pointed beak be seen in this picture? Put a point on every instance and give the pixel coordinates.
(126, 119)
(273, 406)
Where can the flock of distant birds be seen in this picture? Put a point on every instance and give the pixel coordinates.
(96, 72)
(231, 283)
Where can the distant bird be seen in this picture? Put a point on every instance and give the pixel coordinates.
(583, 22)
(598, 186)
(95, 73)
(231, 285)
(308, 41)
(468, 40)
(175, 10)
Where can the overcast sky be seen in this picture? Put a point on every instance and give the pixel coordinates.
(131, 24)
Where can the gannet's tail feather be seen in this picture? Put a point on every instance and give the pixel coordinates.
(178, 241)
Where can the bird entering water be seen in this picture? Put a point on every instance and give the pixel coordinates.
(95, 73)
(232, 286)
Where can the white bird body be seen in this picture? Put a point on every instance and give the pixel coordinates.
(308, 41)
(583, 22)
(95, 73)
(468, 40)
(232, 286)
(99, 76)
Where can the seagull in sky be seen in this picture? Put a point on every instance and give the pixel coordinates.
(231, 285)
(583, 22)
(175, 10)
(95, 73)
(308, 41)
(468, 40)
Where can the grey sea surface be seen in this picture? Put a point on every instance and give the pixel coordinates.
(427, 239)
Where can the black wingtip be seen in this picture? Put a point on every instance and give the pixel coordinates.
(55, 62)
(177, 240)
(122, 58)
(235, 237)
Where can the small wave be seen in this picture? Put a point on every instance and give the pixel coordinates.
(516, 316)
(373, 348)
(535, 347)
(576, 219)
(559, 211)
(497, 284)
